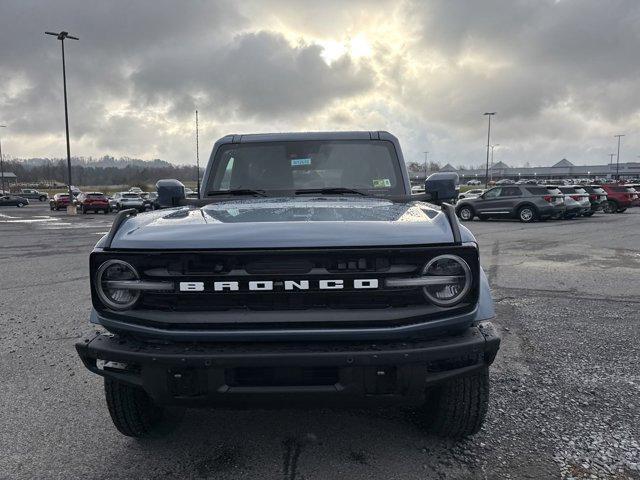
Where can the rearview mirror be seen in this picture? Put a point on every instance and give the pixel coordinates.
(170, 193)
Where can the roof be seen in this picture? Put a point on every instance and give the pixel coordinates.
(563, 163)
(499, 165)
(448, 168)
(8, 175)
(293, 136)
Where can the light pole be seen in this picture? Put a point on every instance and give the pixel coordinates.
(197, 157)
(71, 208)
(611, 155)
(1, 163)
(486, 173)
(426, 156)
(618, 157)
(492, 147)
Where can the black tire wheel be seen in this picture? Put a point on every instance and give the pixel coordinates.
(133, 412)
(621, 210)
(106, 211)
(42, 198)
(466, 214)
(589, 214)
(609, 206)
(84, 210)
(526, 214)
(457, 408)
(20, 205)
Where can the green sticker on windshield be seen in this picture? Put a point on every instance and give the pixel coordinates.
(381, 182)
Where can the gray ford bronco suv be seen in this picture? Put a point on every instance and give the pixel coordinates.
(304, 274)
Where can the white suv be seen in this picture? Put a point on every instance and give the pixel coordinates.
(124, 200)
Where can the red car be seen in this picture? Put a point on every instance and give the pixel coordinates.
(59, 200)
(96, 201)
(619, 197)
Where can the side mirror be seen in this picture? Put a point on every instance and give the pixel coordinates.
(442, 186)
(170, 193)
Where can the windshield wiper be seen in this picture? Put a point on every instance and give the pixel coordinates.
(238, 191)
(330, 191)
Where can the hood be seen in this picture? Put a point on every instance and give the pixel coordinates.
(304, 222)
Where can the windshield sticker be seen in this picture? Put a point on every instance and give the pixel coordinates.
(296, 162)
(381, 182)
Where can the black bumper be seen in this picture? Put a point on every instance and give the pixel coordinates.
(283, 374)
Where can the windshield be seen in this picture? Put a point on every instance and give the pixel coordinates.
(130, 195)
(369, 166)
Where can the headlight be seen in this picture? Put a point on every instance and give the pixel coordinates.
(447, 280)
(111, 276)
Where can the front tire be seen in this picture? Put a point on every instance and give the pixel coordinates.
(42, 198)
(132, 411)
(20, 205)
(621, 210)
(457, 408)
(610, 206)
(465, 214)
(526, 214)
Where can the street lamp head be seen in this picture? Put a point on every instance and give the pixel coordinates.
(489, 113)
(62, 35)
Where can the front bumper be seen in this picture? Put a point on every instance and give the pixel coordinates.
(321, 373)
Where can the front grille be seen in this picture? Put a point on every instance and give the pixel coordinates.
(294, 265)
(202, 302)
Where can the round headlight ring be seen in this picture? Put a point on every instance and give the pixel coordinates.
(107, 299)
(467, 281)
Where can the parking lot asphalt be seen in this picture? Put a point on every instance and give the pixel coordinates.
(565, 385)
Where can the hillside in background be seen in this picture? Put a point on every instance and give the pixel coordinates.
(102, 171)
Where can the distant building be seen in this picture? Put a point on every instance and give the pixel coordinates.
(9, 176)
(562, 169)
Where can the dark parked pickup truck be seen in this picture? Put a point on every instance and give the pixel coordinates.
(306, 273)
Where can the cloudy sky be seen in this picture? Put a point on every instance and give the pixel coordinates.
(563, 75)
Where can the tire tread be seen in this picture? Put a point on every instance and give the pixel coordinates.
(133, 413)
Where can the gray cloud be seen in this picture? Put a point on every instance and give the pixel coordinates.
(257, 73)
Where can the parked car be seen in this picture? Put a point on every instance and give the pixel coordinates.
(634, 189)
(619, 198)
(597, 197)
(13, 201)
(59, 200)
(32, 194)
(137, 190)
(474, 182)
(240, 303)
(505, 181)
(150, 200)
(476, 192)
(572, 208)
(579, 194)
(524, 202)
(124, 200)
(93, 201)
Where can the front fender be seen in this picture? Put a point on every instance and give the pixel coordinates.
(486, 309)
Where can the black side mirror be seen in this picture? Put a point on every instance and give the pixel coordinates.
(170, 193)
(442, 187)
